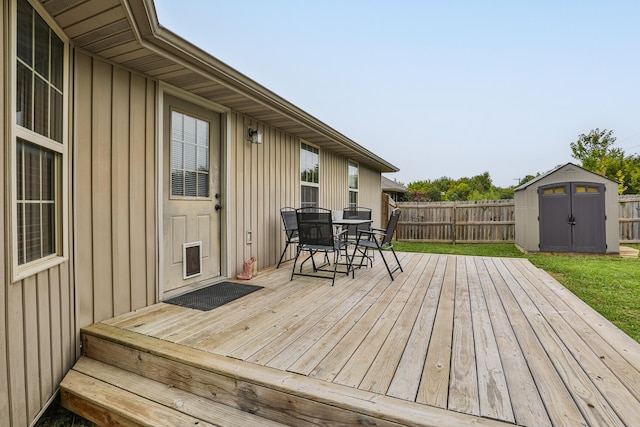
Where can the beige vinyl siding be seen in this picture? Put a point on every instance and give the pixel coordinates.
(334, 192)
(115, 190)
(266, 177)
(4, 341)
(37, 324)
(370, 194)
(263, 178)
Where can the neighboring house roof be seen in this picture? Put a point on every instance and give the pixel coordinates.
(557, 168)
(127, 32)
(389, 186)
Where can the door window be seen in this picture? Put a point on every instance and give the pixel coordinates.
(189, 156)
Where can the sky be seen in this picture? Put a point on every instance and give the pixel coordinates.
(438, 88)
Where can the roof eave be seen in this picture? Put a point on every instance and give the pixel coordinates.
(152, 34)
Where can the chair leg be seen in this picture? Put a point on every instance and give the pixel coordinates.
(397, 260)
(385, 264)
(399, 267)
(363, 256)
(335, 265)
(350, 267)
(295, 260)
(282, 256)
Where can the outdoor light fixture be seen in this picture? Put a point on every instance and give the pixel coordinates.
(254, 135)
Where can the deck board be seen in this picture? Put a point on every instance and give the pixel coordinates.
(491, 338)
(463, 381)
(384, 367)
(494, 399)
(406, 381)
(434, 384)
(529, 408)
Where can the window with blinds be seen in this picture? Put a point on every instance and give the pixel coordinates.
(189, 156)
(40, 143)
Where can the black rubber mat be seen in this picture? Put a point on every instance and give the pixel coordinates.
(213, 296)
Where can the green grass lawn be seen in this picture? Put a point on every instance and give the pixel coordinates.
(609, 284)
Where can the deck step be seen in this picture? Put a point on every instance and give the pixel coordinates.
(108, 395)
(213, 383)
(628, 252)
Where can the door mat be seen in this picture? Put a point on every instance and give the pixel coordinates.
(213, 296)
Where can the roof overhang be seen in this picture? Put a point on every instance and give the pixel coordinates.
(127, 32)
(557, 168)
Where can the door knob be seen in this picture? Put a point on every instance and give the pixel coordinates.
(218, 207)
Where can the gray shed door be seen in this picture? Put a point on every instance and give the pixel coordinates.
(572, 217)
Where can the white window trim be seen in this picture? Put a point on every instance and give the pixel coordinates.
(353, 190)
(307, 183)
(20, 272)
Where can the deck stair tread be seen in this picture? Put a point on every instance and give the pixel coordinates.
(282, 397)
(105, 393)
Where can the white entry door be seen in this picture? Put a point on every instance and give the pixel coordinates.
(191, 195)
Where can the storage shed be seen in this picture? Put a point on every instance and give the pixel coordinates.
(568, 209)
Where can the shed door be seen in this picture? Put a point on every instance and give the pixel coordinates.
(589, 217)
(555, 211)
(572, 217)
(191, 187)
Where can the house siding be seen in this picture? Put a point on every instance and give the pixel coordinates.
(4, 344)
(370, 195)
(263, 178)
(37, 322)
(115, 196)
(266, 177)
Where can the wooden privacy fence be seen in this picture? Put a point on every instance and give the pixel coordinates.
(630, 219)
(486, 221)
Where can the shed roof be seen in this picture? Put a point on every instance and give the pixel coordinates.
(127, 32)
(389, 185)
(557, 168)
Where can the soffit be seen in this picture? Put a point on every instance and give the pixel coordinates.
(127, 32)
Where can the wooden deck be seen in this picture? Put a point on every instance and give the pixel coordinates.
(453, 340)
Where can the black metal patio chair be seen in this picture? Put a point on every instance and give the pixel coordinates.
(380, 239)
(316, 233)
(357, 212)
(290, 223)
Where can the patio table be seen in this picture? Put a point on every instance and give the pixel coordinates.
(341, 222)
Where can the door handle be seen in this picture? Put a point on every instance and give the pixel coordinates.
(218, 207)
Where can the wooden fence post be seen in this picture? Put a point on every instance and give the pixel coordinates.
(454, 231)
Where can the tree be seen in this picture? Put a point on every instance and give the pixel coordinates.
(479, 187)
(631, 175)
(595, 151)
(528, 178)
(597, 154)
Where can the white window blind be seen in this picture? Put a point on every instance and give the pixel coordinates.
(189, 156)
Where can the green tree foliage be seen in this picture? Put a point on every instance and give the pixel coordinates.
(596, 152)
(630, 175)
(528, 178)
(479, 187)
